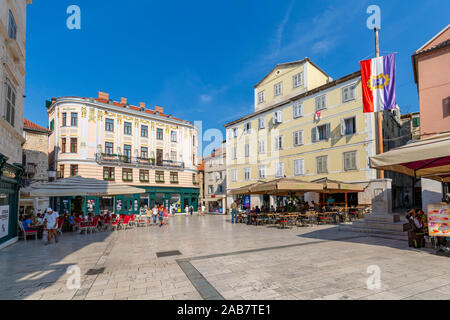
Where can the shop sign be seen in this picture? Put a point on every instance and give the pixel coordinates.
(4, 221)
(438, 220)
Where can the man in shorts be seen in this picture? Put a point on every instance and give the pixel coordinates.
(51, 223)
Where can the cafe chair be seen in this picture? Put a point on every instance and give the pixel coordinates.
(25, 234)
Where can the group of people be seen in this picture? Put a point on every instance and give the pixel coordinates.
(418, 221)
(48, 220)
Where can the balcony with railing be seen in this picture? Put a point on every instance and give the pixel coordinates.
(118, 160)
(30, 169)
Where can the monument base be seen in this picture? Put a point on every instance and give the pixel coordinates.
(382, 221)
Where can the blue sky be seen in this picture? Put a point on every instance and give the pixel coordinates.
(201, 59)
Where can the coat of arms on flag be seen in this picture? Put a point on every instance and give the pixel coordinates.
(378, 83)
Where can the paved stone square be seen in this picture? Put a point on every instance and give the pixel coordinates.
(222, 261)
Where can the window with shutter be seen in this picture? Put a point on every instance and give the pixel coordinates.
(322, 164)
(321, 102)
(348, 93)
(298, 138)
(298, 110)
(314, 134)
(299, 166)
(350, 161)
(247, 150)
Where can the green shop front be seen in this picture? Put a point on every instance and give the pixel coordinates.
(10, 183)
(170, 197)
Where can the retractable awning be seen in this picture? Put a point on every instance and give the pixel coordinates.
(424, 159)
(78, 186)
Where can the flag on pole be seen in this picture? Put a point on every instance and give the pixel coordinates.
(378, 83)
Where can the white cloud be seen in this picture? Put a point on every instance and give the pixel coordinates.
(205, 98)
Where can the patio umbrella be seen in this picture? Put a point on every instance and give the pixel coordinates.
(333, 186)
(285, 186)
(78, 186)
(424, 159)
(242, 190)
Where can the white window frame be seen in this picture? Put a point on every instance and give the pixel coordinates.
(261, 146)
(11, 103)
(235, 132)
(344, 127)
(261, 97)
(234, 175)
(354, 160)
(299, 134)
(12, 26)
(315, 136)
(297, 110)
(352, 93)
(278, 143)
(247, 174)
(261, 123)
(297, 80)
(233, 153)
(279, 170)
(317, 164)
(302, 171)
(320, 102)
(278, 89)
(247, 127)
(262, 172)
(173, 134)
(278, 117)
(247, 150)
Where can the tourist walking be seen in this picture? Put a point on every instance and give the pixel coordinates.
(234, 212)
(161, 215)
(51, 223)
(191, 210)
(155, 214)
(166, 217)
(203, 210)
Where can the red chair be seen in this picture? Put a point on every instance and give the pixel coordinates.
(27, 233)
(125, 222)
(93, 226)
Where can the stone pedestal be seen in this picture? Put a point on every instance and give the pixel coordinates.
(381, 220)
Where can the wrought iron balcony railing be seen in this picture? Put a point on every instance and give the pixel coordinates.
(116, 160)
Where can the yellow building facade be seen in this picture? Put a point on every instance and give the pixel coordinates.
(305, 125)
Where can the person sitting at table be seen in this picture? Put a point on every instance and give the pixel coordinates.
(28, 224)
(71, 221)
(253, 215)
(247, 212)
(272, 209)
(315, 205)
(257, 210)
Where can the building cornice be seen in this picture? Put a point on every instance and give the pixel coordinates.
(122, 110)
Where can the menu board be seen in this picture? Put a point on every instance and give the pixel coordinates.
(4, 221)
(439, 220)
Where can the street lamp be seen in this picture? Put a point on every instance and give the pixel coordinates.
(51, 174)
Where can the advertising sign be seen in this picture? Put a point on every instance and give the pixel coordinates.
(439, 220)
(247, 201)
(4, 221)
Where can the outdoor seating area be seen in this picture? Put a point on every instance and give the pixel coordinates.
(306, 218)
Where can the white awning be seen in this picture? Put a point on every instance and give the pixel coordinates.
(78, 186)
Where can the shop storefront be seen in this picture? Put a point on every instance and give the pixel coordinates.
(177, 198)
(10, 182)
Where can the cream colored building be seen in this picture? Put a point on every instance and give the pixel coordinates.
(215, 180)
(35, 162)
(304, 125)
(12, 75)
(114, 141)
(13, 15)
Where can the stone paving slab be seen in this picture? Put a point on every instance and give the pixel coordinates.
(222, 261)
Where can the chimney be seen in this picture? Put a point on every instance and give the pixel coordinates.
(141, 105)
(159, 109)
(103, 95)
(123, 100)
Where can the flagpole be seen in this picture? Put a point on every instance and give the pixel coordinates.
(379, 114)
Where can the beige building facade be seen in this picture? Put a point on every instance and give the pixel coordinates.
(114, 141)
(216, 181)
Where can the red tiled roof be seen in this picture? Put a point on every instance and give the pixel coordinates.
(201, 167)
(122, 105)
(27, 124)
